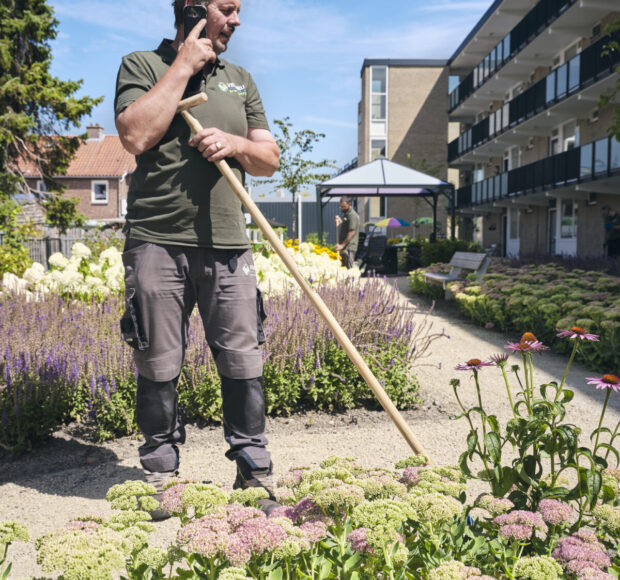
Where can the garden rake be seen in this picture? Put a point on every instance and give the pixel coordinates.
(318, 303)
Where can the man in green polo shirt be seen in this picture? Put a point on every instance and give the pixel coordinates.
(348, 232)
(185, 239)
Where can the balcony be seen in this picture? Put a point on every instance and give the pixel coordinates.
(501, 68)
(581, 72)
(591, 164)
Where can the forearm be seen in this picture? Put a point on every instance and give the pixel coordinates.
(143, 123)
(349, 237)
(258, 158)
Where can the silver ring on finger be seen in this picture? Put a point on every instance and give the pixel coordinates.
(218, 145)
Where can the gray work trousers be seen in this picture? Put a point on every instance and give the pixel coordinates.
(163, 283)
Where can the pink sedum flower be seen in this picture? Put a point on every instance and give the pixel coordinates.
(315, 531)
(519, 525)
(475, 364)
(580, 551)
(576, 332)
(555, 512)
(358, 540)
(605, 382)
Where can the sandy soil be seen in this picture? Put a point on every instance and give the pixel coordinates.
(70, 475)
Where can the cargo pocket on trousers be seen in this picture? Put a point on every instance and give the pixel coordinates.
(261, 316)
(132, 329)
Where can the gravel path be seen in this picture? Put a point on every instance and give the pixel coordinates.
(71, 475)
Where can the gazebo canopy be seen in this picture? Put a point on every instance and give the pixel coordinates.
(383, 177)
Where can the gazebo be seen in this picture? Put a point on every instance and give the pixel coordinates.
(386, 178)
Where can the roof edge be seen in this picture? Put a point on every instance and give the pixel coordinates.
(412, 62)
(475, 29)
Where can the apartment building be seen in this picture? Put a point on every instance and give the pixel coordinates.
(535, 159)
(402, 116)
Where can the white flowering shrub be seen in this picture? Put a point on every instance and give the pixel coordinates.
(82, 276)
(318, 267)
(86, 277)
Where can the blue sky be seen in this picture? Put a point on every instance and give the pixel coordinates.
(305, 55)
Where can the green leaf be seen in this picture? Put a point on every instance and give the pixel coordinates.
(612, 449)
(276, 574)
(472, 441)
(494, 446)
(594, 482)
(352, 562)
(567, 396)
(494, 423)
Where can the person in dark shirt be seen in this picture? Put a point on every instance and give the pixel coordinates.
(612, 230)
(186, 244)
(348, 233)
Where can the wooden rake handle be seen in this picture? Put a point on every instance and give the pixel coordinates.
(316, 300)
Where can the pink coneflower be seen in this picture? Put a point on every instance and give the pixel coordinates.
(528, 343)
(499, 359)
(576, 332)
(605, 382)
(475, 364)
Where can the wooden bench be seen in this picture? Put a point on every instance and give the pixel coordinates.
(472, 261)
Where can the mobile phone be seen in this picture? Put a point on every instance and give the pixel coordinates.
(192, 15)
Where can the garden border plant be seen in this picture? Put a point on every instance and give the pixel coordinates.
(541, 298)
(342, 520)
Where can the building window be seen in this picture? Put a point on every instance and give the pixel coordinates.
(41, 187)
(379, 93)
(514, 224)
(568, 225)
(377, 149)
(99, 192)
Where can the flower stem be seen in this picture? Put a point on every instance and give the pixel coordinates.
(512, 405)
(611, 440)
(600, 423)
(568, 365)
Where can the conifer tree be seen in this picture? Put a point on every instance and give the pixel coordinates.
(36, 108)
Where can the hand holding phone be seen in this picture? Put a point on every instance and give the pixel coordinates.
(192, 15)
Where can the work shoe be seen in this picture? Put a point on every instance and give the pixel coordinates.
(247, 477)
(159, 479)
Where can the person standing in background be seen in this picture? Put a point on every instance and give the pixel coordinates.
(349, 232)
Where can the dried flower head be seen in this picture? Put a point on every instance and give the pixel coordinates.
(494, 505)
(576, 332)
(607, 381)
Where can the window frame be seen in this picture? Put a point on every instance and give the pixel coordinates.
(93, 199)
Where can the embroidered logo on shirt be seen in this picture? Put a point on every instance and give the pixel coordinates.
(247, 270)
(233, 88)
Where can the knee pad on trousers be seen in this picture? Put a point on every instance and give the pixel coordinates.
(156, 410)
(243, 405)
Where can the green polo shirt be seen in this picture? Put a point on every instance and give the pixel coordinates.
(350, 221)
(176, 196)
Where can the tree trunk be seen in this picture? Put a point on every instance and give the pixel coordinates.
(294, 219)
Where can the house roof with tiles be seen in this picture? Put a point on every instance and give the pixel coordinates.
(100, 156)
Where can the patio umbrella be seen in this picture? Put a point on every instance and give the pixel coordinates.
(391, 222)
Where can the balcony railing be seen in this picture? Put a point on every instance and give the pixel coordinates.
(589, 162)
(587, 67)
(532, 24)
